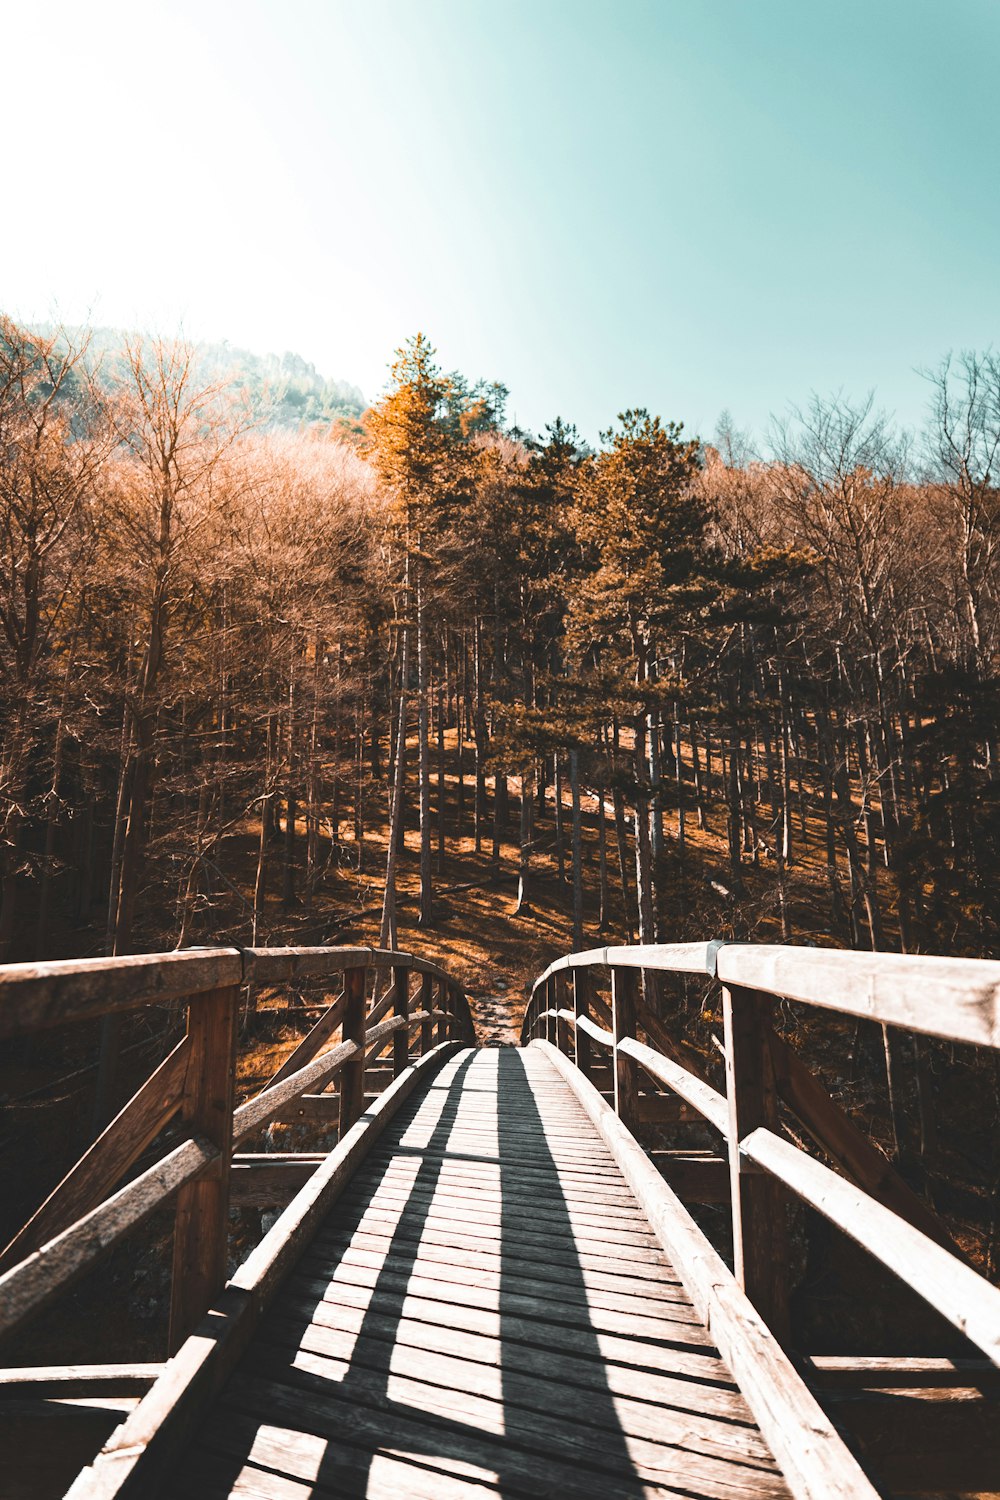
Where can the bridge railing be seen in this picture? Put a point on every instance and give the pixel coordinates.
(954, 999)
(88, 1212)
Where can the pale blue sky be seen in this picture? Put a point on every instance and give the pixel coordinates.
(683, 204)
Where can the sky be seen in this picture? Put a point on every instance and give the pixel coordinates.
(687, 205)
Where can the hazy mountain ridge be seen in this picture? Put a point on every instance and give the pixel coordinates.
(285, 389)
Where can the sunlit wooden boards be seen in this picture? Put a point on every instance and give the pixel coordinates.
(486, 1312)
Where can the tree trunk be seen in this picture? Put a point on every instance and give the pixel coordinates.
(387, 930)
(426, 912)
(524, 859)
(577, 847)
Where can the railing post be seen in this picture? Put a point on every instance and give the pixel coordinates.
(559, 1000)
(352, 1074)
(202, 1214)
(426, 1003)
(623, 1013)
(581, 1007)
(401, 1007)
(551, 1032)
(760, 1230)
(441, 1027)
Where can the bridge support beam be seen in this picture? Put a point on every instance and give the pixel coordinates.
(581, 1007)
(401, 1007)
(202, 1222)
(760, 1229)
(352, 1077)
(623, 1024)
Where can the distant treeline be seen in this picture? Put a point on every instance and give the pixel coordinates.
(218, 631)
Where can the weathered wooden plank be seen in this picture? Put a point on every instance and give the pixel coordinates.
(28, 1286)
(79, 1380)
(33, 996)
(521, 1244)
(812, 1456)
(955, 998)
(379, 1238)
(293, 1465)
(958, 1292)
(277, 965)
(576, 1178)
(446, 1426)
(426, 1003)
(138, 1451)
(543, 1206)
(511, 1231)
(623, 1022)
(401, 1008)
(310, 1044)
(640, 1405)
(701, 1096)
(883, 1370)
(522, 1187)
(535, 1277)
(570, 1303)
(600, 1168)
(604, 1313)
(677, 958)
(270, 1102)
(108, 1159)
(352, 1079)
(633, 1379)
(202, 1218)
(582, 1050)
(524, 1319)
(605, 1435)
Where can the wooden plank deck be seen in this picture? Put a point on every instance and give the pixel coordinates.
(485, 1312)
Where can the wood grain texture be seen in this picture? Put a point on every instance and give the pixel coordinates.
(28, 1286)
(486, 1303)
(815, 1462)
(33, 996)
(202, 1214)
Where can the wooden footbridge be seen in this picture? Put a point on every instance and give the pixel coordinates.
(486, 1286)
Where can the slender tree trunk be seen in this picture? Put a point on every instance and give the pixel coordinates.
(560, 833)
(577, 847)
(480, 741)
(735, 816)
(602, 858)
(387, 930)
(643, 845)
(524, 860)
(699, 782)
(423, 736)
(442, 802)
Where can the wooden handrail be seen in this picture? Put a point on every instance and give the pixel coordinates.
(78, 1221)
(951, 998)
(957, 999)
(28, 1286)
(955, 1290)
(35, 996)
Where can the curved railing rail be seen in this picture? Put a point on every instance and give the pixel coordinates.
(87, 1212)
(956, 999)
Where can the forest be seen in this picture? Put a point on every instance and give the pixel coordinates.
(284, 670)
(217, 628)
